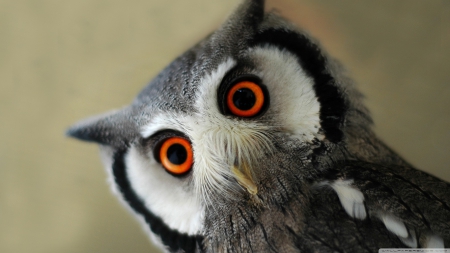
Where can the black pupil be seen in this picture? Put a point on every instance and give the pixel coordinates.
(244, 99)
(177, 154)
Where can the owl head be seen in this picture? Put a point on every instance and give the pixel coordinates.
(239, 124)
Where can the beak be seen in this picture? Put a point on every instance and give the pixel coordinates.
(244, 177)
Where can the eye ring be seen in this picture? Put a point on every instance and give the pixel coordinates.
(176, 155)
(247, 95)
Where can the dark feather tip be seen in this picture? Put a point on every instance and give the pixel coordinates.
(80, 134)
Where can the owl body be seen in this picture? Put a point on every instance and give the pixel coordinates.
(255, 141)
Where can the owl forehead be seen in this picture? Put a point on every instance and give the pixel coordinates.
(177, 86)
(180, 85)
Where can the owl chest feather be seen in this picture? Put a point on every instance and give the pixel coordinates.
(315, 218)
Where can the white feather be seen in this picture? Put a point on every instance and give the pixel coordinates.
(411, 240)
(351, 198)
(164, 195)
(294, 103)
(219, 141)
(106, 154)
(395, 225)
(434, 241)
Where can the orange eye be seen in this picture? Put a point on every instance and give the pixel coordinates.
(245, 99)
(176, 155)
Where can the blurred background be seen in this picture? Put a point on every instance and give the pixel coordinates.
(61, 61)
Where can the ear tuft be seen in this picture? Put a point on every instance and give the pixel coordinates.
(114, 129)
(232, 38)
(249, 13)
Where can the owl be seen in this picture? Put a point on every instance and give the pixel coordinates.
(255, 141)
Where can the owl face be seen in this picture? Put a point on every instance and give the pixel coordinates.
(254, 108)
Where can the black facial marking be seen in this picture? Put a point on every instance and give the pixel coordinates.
(174, 240)
(177, 154)
(244, 99)
(332, 104)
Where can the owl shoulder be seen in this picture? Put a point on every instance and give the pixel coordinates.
(410, 204)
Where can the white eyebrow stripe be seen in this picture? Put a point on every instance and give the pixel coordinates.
(169, 121)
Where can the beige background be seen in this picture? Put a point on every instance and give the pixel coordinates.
(61, 61)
